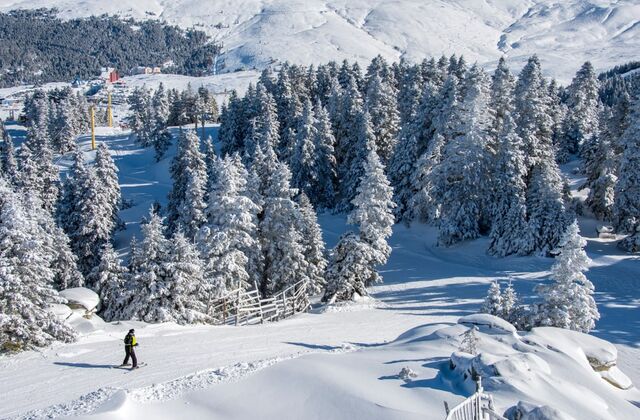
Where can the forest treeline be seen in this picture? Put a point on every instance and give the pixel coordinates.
(39, 47)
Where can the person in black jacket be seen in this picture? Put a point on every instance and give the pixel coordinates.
(129, 343)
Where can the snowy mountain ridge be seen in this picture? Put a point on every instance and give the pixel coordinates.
(258, 33)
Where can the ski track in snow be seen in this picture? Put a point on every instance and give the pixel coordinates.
(165, 391)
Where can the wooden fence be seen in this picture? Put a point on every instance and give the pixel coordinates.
(242, 307)
(479, 406)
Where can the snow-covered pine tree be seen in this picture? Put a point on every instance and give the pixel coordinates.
(314, 250)
(510, 304)
(470, 341)
(438, 127)
(188, 156)
(583, 101)
(66, 127)
(86, 212)
(46, 186)
(289, 110)
(502, 86)
(461, 182)
(141, 118)
(303, 163)
(7, 158)
(356, 158)
(281, 241)
(150, 287)
(568, 301)
(231, 134)
(26, 279)
(558, 113)
(493, 301)
(187, 301)
(353, 262)
(324, 191)
(228, 240)
(107, 174)
(532, 114)
(192, 209)
(373, 208)
(382, 107)
(347, 124)
(350, 269)
(510, 230)
(626, 208)
(547, 214)
(110, 280)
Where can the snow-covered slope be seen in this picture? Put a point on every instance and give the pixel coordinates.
(342, 363)
(255, 33)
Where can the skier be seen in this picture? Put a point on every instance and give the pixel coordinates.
(129, 343)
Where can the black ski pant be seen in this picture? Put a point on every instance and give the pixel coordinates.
(130, 352)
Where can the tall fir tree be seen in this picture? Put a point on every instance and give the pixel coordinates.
(189, 157)
(568, 301)
(26, 280)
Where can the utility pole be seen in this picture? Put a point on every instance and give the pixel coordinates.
(109, 113)
(93, 128)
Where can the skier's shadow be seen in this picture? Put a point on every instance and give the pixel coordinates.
(83, 365)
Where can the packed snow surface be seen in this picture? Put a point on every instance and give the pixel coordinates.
(258, 33)
(345, 361)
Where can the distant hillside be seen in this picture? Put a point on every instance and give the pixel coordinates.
(37, 46)
(257, 33)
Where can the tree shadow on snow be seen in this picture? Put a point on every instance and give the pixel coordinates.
(83, 365)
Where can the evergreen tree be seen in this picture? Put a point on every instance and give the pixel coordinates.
(583, 101)
(313, 244)
(324, 191)
(303, 163)
(568, 301)
(546, 210)
(282, 243)
(461, 181)
(510, 304)
(352, 266)
(510, 231)
(493, 302)
(189, 157)
(26, 280)
(229, 236)
(373, 207)
(150, 289)
(8, 161)
(355, 159)
(350, 269)
(185, 302)
(110, 278)
(502, 102)
(107, 174)
(532, 115)
(626, 208)
(382, 108)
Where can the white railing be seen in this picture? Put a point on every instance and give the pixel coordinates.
(479, 406)
(242, 307)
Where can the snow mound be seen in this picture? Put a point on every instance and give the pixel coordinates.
(81, 296)
(525, 411)
(486, 320)
(561, 373)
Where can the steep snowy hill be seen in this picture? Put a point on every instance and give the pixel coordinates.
(256, 33)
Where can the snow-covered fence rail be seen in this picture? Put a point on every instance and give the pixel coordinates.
(241, 307)
(479, 406)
